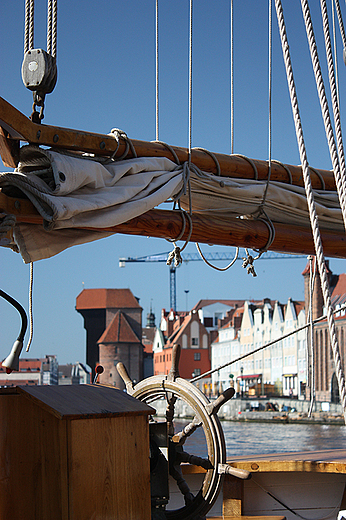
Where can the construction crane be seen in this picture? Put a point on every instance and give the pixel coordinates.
(192, 257)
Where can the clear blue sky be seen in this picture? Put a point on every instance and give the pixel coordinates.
(106, 79)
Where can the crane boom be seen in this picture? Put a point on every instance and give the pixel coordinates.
(193, 257)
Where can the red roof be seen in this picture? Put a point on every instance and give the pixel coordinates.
(119, 331)
(229, 303)
(106, 299)
(340, 288)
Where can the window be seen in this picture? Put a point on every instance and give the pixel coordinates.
(208, 322)
(196, 372)
(194, 341)
(197, 356)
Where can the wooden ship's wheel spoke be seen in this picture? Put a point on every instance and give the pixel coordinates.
(171, 388)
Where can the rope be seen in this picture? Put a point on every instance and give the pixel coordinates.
(340, 178)
(213, 156)
(29, 25)
(292, 510)
(232, 73)
(340, 175)
(169, 148)
(117, 134)
(7, 222)
(310, 201)
(176, 253)
(157, 67)
(341, 24)
(52, 16)
(335, 52)
(31, 316)
(215, 266)
(311, 329)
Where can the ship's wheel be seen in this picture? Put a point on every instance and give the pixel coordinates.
(172, 388)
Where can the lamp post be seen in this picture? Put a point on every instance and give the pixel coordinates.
(241, 381)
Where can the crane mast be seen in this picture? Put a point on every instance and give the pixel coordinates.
(193, 257)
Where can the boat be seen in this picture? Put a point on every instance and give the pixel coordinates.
(309, 485)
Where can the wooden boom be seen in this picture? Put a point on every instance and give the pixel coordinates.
(16, 127)
(252, 234)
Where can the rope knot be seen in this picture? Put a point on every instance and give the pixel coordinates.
(248, 264)
(175, 255)
(7, 222)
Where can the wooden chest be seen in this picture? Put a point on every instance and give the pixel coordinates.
(76, 452)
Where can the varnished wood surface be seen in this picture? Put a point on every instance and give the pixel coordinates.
(116, 470)
(21, 128)
(252, 234)
(326, 461)
(80, 401)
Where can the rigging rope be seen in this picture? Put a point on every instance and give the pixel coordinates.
(29, 25)
(157, 68)
(311, 330)
(310, 201)
(232, 73)
(336, 153)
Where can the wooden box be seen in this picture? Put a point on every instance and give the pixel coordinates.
(76, 452)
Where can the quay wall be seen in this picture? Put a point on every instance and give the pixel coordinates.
(288, 410)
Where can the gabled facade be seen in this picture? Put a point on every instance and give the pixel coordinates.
(226, 348)
(192, 336)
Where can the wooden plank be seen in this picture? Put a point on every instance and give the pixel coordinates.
(30, 461)
(78, 401)
(110, 469)
(21, 128)
(233, 496)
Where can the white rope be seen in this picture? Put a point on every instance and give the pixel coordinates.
(232, 73)
(52, 16)
(29, 25)
(338, 165)
(157, 68)
(311, 205)
(341, 24)
(335, 53)
(311, 330)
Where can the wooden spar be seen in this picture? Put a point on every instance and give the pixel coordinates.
(252, 234)
(17, 127)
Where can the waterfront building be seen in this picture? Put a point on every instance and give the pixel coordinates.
(322, 377)
(32, 371)
(225, 348)
(264, 371)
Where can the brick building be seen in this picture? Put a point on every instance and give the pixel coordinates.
(191, 334)
(325, 382)
(113, 323)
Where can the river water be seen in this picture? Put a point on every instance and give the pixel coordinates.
(244, 438)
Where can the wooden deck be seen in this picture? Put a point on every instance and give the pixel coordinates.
(310, 483)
